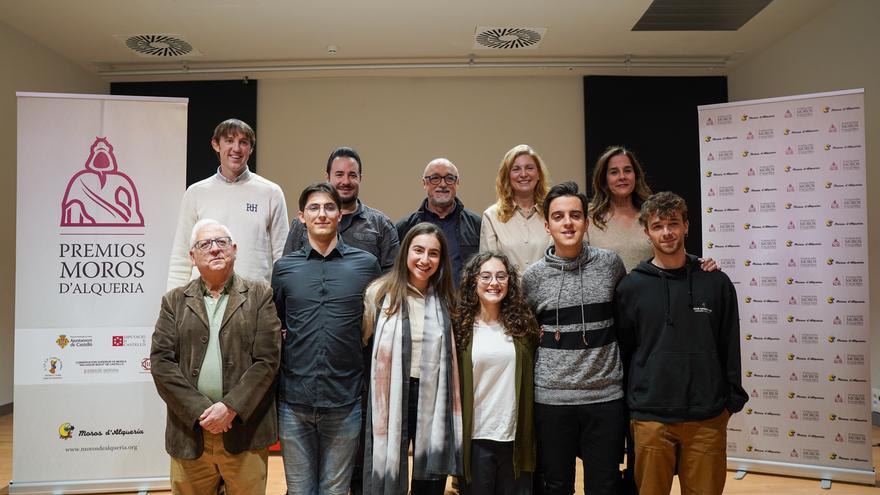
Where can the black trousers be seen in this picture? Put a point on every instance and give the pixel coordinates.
(593, 431)
(492, 471)
(419, 487)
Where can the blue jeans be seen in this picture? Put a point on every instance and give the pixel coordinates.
(318, 445)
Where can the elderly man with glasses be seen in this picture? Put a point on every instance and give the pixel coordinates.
(442, 208)
(214, 357)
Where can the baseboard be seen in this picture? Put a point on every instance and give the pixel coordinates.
(7, 409)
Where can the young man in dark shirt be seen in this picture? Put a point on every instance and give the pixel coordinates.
(678, 330)
(319, 291)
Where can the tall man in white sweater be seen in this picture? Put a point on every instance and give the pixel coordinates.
(248, 204)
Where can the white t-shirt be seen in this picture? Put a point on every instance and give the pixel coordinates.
(494, 358)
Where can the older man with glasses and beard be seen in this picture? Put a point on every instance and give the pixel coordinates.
(460, 225)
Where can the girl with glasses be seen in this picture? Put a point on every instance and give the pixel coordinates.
(496, 335)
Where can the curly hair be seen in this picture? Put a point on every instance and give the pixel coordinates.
(601, 202)
(516, 317)
(663, 204)
(503, 190)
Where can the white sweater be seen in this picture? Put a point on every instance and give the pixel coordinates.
(254, 210)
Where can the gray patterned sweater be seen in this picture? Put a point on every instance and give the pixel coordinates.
(577, 360)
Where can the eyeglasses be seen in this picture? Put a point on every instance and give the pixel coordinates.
(205, 244)
(486, 277)
(435, 179)
(329, 208)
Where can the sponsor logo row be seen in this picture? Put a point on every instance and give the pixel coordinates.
(802, 149)
(792, 262)
(53, 367)
(807, 454)
(771, 132)
(773, 243)
(795, 112)
(771, 169)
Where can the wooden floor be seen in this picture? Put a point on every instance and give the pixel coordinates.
(753, 484)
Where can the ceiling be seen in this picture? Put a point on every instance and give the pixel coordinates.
(290, 38)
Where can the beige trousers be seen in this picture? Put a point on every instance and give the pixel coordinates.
(698, 448)
(243, 474)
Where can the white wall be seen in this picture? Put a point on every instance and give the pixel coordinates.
(836, 50)
(399, 124)
(26, 66)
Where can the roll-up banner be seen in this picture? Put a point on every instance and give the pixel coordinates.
(99, 185)
(785, 216)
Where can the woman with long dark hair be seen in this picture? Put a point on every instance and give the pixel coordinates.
(414, 392)
(496, 335)
(619, 189)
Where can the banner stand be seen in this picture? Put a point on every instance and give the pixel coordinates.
(141, 485)
(784, 211)
(822, 473)
(99, 183)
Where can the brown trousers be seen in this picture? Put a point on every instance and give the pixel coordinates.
(698, 448)
(243, 474)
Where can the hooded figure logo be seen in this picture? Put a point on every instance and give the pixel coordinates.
(101, 195)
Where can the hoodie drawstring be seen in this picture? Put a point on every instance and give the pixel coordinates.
(666, 314)
(558, 334)
(583, 320)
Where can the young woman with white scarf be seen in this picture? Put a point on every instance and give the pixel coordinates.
(414, 391)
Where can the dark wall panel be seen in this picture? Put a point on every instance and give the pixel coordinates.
(656, 117)
(210, 102)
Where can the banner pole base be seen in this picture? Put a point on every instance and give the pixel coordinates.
(825, 484)
(740, 474)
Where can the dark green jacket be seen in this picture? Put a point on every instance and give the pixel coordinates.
(524, 449)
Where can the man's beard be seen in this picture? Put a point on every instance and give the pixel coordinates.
(441, 203)
(348, 203)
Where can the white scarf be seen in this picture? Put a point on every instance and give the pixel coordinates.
(438, 430)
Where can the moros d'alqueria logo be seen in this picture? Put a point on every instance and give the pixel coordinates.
(101, 195)
(99, 200)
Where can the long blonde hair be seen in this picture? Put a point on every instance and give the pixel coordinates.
(503, 191)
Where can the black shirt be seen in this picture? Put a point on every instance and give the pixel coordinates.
(320, 301)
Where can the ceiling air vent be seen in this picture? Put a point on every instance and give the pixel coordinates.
(159, 45)
(508, 38)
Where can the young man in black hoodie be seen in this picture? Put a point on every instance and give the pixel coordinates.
(678, 330)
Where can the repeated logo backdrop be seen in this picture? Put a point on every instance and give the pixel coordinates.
(783, 190)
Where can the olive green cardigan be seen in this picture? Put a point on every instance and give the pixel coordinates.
(524, 449)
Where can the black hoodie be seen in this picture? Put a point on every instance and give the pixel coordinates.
(679, 336)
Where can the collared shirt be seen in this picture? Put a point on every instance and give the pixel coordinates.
(240, 177)
(211, 374)
(366, 228)
(319, 300)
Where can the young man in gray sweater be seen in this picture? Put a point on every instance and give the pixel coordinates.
(579, 407)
